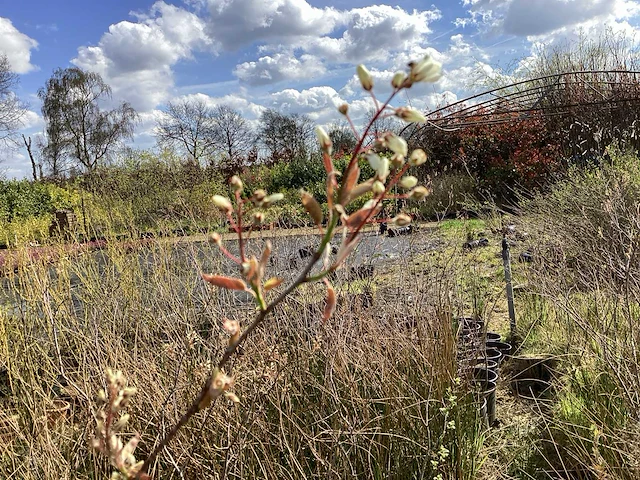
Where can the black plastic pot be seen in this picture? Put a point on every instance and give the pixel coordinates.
(482, 410)
(493, 354)
(487, 390)
(483, 362)
(533, 375)
(503, 347)
(485, 374)
(493, 337)
(470, 324)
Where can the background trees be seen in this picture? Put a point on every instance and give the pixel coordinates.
(11, 109)
(76, 125)
(187, 126)
(285, 136)
(217, 136)
(233, 137)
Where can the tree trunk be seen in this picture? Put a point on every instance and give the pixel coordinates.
(27, 143)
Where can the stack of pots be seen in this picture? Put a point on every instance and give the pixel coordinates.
(480, 355)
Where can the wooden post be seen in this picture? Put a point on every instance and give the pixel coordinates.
(506, 260)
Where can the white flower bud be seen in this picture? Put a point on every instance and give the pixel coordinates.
(418, 157)
(324, 140)
(398, 79)
(419, 193)
(271, 199)
(397, 160)
(396, 144)
(236, 183)
(402, 220)
(426, 70)
(408, 182)
(223, 203)
(365, 77)
(379, 164)
(378, 188)
(409, 114)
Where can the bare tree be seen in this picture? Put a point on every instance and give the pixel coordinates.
(286, 136)
(34, 164)
(342, 138)
(76, 125)
(11, 108)
(188, 126)
(382, 124)
(232, 136)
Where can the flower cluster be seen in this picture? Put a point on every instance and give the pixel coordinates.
(388, 157)
(390, 170)
(111, 421)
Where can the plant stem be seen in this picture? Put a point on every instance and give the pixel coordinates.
(231, 349)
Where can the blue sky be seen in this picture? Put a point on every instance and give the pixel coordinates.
(293, 55)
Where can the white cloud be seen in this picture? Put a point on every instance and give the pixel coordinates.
(317, 102)
(240, 102)
(237, 23)
(16, 46)
(280, 67)
(136, 59)
(376, 34)
(530, 18)
(32, 120)
(524, 17)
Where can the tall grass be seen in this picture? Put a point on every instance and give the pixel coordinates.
(587, 278)
(371, 394)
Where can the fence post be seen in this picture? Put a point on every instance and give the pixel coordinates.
(506, 260)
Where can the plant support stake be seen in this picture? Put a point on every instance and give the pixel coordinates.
(506, 260)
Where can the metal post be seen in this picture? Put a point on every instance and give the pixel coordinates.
(506, 260)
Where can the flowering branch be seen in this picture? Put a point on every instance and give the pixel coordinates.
(252, 270)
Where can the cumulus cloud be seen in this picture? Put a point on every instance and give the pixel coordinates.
(542, 17)
(524, 17)
(279, 67)
(237, 23)
(373, 34)
(16, 46)
(136, 58)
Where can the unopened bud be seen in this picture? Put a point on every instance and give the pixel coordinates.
(258, 196)
(102, 397)
(401, 220)
(426, 70)
(271, 199)
(223, 203)
(312, 207)
(378, 188)
(396, 144)
(379, 164)
(365, 77)
(236, 183)
(215, 238)
(408, 182)
(232, 327)
(397, 160)
(418, 157)
(232, 396)
(409, 114)
(324, 140)
(343, 109)
(398, 79)
(258, 218)
(121, 423)
(419, 193)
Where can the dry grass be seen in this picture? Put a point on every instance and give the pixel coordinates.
(370, 395)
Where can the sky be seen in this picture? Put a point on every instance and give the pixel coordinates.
(297, 56)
